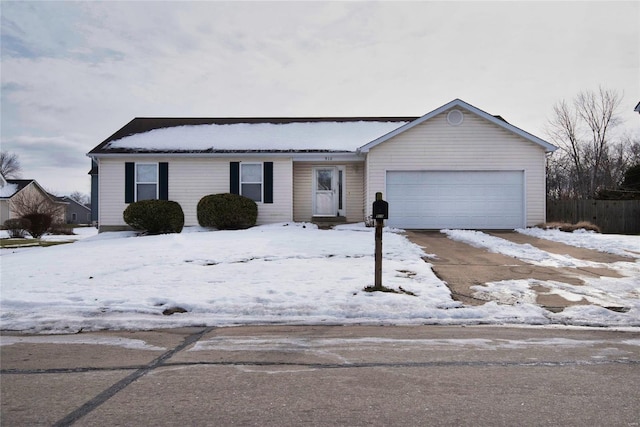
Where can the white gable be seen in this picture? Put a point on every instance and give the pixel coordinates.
(459, 104)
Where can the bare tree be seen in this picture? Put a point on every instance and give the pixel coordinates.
(590, 157)
(80, 197)
(9, 165)
(28, 203)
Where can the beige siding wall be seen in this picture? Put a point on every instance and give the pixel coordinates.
(355, 191)
(190, 179)
(303, 190)
(111, 192)
(474, 145)
(4, 211)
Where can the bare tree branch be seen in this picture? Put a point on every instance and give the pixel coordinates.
(26, 203)
(590, 158)
(9, 165)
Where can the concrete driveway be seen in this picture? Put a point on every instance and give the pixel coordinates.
(462, 266)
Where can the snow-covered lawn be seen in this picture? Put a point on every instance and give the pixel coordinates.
(281, 273)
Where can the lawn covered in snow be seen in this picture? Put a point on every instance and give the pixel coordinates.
(281, 273)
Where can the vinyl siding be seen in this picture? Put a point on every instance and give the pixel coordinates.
(4, 211)
(355, 191)
(476, 144)
(191, 178)
(303, 190)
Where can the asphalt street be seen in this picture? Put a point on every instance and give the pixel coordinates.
(323, 375)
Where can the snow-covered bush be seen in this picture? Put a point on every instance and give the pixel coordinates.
(227, 211)
(17, 227)
(155, 216)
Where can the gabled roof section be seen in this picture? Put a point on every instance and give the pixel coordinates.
(458, 103)
(70, 201)
(637, 109)
(14, 186)
(247, 135)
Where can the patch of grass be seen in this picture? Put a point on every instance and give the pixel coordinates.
(564, 226)
(25, 243)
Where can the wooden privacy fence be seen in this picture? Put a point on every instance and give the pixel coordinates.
(612, 216)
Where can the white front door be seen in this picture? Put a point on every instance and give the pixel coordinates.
(325, 191)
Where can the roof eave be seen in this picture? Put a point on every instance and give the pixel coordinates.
(229, 153)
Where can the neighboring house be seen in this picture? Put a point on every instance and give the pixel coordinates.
(456, 166)
(637, 109)
(17, 191)
(76, 213)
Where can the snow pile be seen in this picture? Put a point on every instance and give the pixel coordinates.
(285, 273)
(338, 136)
(628, 246)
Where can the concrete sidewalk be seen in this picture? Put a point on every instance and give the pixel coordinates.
(323, 375)
(462, 266)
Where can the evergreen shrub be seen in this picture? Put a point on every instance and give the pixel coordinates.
(155, 216)
(227, 211)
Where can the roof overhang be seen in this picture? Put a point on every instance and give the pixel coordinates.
(297, 156)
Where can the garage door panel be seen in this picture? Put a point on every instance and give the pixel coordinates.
(456, 199)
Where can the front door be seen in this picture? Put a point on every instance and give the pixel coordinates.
(324, 191)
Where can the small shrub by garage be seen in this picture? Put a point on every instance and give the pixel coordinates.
(227, 211)
(155, 216)
(17, 227)
(39, 223)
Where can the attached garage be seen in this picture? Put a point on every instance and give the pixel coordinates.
(456, 199)
(458, 167)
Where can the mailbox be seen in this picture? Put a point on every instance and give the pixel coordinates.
(380, 210)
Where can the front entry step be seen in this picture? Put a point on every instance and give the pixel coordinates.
(328, 221)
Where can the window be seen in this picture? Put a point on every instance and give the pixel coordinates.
(251, 181)
(146, 181)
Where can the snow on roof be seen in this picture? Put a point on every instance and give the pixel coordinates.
(330, 135)
(8, 190)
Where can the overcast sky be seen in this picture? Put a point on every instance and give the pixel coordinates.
(73, 73)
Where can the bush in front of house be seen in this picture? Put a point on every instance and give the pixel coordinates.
(227, 211)
(17, 227)
(155, 216)
(59, 228)
(39, 224)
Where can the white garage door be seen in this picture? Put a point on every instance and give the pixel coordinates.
(460, 199)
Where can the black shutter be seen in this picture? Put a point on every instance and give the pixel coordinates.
(129, 182)
(163, 176)
(268, 182)
(234, 178)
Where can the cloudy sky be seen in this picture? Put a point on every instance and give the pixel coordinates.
(75, 72)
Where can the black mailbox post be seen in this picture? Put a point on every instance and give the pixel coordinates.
(380, 213)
